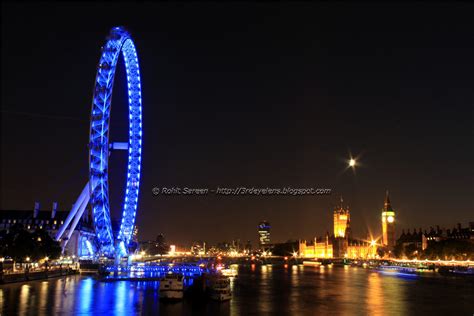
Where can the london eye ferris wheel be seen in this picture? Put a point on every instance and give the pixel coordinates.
(96, 190)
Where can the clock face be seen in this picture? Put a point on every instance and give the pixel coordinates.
(390, 219)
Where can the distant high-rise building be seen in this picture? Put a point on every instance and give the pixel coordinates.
(388, 223)
(248, 246)
(342, 219)
(264, 233)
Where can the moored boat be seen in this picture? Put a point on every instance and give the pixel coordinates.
(219, 288)
(230, 271)
(457, 271)
(171, 287)
(313, 263)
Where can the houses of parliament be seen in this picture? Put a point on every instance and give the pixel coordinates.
(341, 244)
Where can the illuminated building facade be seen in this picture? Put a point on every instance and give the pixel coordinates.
(264, 234)
(360, 249)
(340, 244)
(82, 241)
(420, 240)
(342, 219)
(317, 249)
(388, 224)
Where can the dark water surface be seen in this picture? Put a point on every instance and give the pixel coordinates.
(265, 290)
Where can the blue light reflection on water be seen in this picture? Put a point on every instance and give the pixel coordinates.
(85, 296)
(408, 276)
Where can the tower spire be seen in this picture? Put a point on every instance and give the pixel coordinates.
(387, 205)
(388, 223)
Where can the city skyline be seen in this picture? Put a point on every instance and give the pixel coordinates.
(270, 105)
(336, 230)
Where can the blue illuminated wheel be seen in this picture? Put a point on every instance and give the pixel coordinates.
(118, 41)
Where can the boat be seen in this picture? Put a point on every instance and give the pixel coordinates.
(230, 271)
(219, 288)
(397, 269)
(457, 271)
(171, 287)
(313, 263)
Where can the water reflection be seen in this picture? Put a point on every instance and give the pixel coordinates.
(120, 297)
(85, 295)
(264, 293)
(24, 299)
(43, 295)
(374, 297)
(295, 283)
(395, 293)
(265, 289)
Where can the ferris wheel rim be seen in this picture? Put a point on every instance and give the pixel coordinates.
(118, 42)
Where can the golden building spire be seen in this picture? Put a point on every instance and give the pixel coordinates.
(341, 219)
(388, 223)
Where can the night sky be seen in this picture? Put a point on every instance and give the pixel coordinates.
(250, 95)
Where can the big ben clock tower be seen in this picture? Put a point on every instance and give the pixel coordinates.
(388, 224)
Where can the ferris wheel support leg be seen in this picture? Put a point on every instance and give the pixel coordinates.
(76, 220)
(84, 194)
(120, 252)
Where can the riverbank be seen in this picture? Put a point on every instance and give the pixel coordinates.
(27, 275)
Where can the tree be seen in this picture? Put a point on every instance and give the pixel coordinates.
(19, 244)
(285, 249)
(411, 250)
(382, 251)
(45, 245)
(398, 250)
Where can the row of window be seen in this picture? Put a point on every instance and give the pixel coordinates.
(7, 226)
(30, 221)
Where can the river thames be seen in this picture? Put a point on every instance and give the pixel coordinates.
(258, 290)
